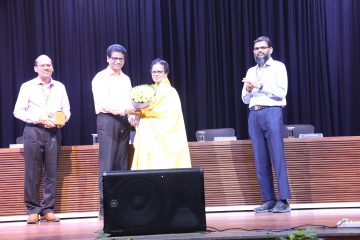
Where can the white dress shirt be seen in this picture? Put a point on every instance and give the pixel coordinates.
(36, 99)
(111, 92)
(275, 84)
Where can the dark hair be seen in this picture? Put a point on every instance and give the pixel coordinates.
(162, 62)
(115, 48)
(265, 39)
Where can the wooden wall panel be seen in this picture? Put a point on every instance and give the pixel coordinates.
(323, 170)
(230, 177)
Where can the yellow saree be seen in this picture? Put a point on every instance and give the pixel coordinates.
(160, 140)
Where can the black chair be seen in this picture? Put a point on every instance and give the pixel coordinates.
(298, 129)
(210, 134)
(20, 140)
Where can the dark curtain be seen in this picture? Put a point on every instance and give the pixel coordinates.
(208, 44)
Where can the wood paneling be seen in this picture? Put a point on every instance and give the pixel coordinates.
(321, 170)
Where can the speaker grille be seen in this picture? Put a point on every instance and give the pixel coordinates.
(154, 201)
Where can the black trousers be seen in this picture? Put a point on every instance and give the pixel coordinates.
(113, 137)
(41, 151)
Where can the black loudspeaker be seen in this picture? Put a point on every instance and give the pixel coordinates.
(144, 202)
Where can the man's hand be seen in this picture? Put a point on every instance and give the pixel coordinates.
(133, 120)
(46, 122)
(251, 84)
(59, 125)
(133, 111)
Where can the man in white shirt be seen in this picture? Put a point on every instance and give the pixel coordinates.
(38, 103)
(265, 89)
(111, 90)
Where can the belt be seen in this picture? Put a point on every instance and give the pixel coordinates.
(258, 107)
(114, 116)
(109, 114)
(39, 125)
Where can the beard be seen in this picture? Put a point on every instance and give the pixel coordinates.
(262, 60)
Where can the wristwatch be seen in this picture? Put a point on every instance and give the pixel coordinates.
(261, 86)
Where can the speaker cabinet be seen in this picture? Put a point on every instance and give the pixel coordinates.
(144, 202)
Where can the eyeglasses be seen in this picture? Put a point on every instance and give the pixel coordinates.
(44, 65)
(155, 72)
(258, 48)
(115, 59)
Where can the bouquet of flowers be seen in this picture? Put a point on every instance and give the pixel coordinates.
(142, 95)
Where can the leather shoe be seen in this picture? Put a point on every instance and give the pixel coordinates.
(50, 217)
(33, 218)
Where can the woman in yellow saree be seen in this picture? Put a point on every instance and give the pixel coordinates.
(160, 141)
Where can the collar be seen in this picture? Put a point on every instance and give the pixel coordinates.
(38, 81)
(269, 62)
(165, 81)
(111, 72)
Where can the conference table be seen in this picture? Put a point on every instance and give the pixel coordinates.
(321, 171)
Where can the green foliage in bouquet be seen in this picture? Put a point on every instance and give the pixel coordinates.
(101, 234)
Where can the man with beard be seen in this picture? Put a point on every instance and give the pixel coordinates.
(265, 88)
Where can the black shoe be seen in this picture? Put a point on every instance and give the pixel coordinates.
(281, 206)
(266, 207)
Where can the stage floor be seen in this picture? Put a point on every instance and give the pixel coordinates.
(221, 225)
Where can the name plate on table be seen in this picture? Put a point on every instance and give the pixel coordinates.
(232, 138)
(310, 135)
(18, 145)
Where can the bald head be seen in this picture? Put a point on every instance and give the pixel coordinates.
(42, 58)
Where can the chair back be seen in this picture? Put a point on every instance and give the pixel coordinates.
(298, 129)
(20, 140)
(210, 134)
